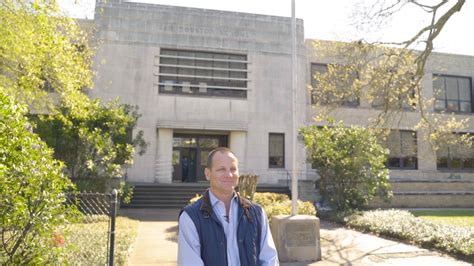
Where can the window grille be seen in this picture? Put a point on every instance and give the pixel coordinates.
(202, 73)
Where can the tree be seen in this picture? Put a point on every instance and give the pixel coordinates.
(32, 186)
(96, 142)
(44, 55)
(389, 75)
(350, 163)
(45, 62)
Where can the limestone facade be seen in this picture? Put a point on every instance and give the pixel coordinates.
(187, 114)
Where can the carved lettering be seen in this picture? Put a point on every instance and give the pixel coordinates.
(299, 235)
(205, 31)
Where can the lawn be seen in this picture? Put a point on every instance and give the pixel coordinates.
(451, 217)
(88, 240)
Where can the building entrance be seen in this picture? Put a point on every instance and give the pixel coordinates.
(190, 153)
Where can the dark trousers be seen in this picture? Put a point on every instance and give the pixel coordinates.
(184, 175)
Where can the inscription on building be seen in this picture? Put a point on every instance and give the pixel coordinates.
(205, 31)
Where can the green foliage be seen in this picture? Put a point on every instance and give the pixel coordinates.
(280, 204)
(45, 63)
(106, 185)
(389, 79)
(404, 225)
(90, 184)
(248, 185)
(267, 198)
(125, 192)
(32, 190)
(41, 51)
(95, 141)
(350, 163)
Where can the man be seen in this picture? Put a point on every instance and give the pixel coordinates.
(184, 169)
(222, 228)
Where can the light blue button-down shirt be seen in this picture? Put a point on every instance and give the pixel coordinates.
(189, 247)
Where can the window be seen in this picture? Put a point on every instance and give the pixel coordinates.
(396, 89)
(343, 87)
(202, 73)
(403, 150)
(276, 150)
(452, 94)
(455, 157)
(395, 100)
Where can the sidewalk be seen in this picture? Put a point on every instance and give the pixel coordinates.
(156, 244)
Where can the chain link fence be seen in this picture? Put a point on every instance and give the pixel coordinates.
(91, 237)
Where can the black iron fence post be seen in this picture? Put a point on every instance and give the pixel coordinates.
(113, 214)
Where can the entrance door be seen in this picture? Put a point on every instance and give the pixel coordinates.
(184, 164)
(188, 165)
(190, 155)
(202, 159)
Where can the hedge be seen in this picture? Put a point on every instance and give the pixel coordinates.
(403, 225)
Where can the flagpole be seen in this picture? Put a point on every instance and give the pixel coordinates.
(294, 176)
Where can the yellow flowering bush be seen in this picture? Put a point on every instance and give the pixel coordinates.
(276, 204)
(280, 204)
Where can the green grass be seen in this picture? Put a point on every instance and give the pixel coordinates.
(451, 217)
(87, 242)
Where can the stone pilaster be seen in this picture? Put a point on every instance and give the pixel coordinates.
(164, 155)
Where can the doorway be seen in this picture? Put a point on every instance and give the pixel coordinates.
(190, 153)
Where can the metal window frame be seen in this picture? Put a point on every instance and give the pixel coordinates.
(207, 85)
(458, 100)
(284, 159)
(449, 159)
(415, 142)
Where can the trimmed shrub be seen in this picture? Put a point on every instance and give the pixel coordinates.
(280, 204)
(267, 198)
(350, 163)
(405, 226)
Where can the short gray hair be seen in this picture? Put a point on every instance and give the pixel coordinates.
(211, 154)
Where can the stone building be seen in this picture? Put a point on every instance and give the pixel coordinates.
(207, 78)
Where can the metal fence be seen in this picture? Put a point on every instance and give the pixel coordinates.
(91, 237)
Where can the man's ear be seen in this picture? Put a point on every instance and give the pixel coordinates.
(207, 173)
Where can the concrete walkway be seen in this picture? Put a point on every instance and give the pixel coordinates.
(156, 244)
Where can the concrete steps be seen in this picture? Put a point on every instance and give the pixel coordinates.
(177, 195)
(430, 194)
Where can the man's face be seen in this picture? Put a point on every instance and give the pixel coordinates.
(224, 174)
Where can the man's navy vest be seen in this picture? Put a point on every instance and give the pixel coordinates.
(212, 236)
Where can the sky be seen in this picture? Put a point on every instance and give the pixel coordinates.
(331, 19)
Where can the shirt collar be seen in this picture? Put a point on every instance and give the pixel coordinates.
(214, 200)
